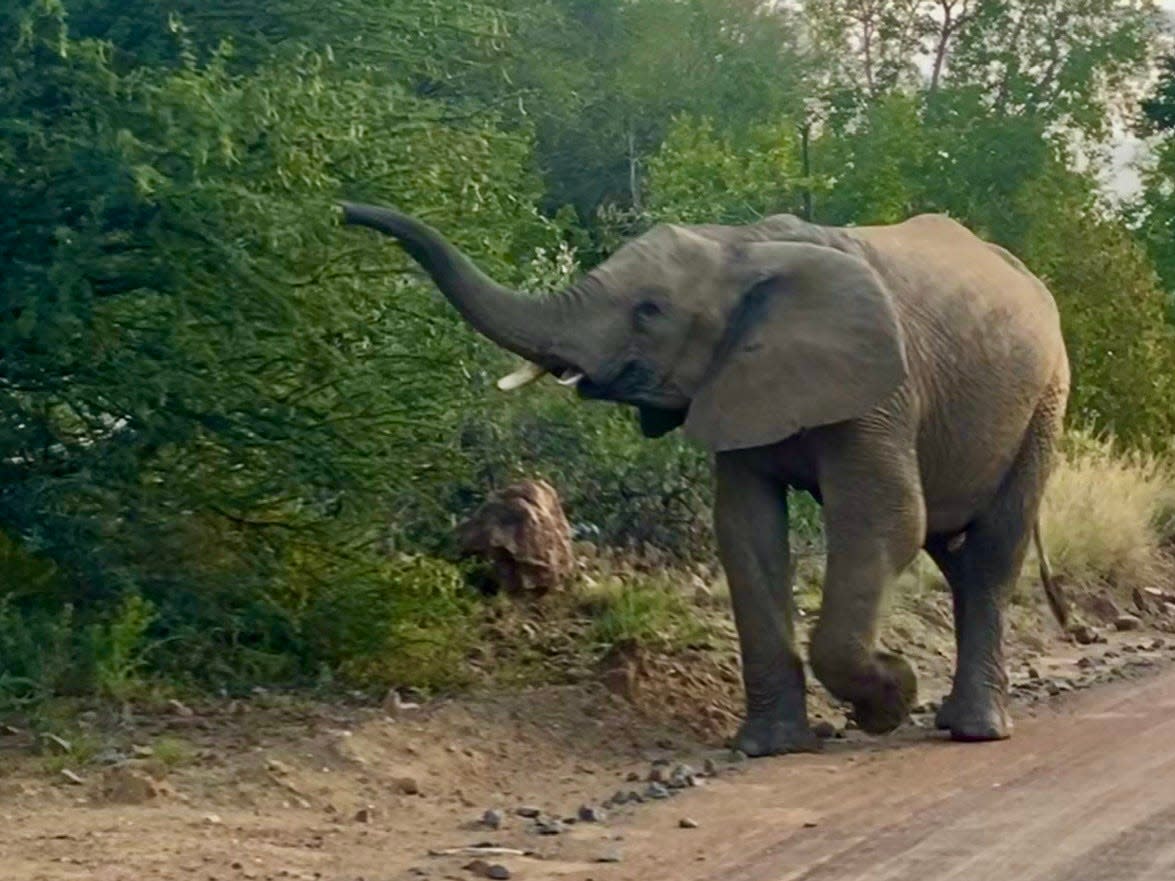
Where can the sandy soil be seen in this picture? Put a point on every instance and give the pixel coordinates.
(282, 788)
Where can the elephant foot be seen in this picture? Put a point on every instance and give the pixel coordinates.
(762, 736)
(946, 713)
(975, 721)
(891, 693)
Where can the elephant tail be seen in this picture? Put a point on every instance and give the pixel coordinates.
(1054, 593)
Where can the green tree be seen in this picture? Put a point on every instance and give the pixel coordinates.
(1153, 212)
(204, 398)
(700, 176)
(607, 84)
(1062, 61)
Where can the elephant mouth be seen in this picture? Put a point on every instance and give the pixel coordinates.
(566, 375)
(633, 383)
(530, 372)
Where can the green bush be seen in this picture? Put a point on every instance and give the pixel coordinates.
(409, 623)
(648, 611)
(205, 381)
(37, 651)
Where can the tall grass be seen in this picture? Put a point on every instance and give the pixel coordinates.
(1108, 513)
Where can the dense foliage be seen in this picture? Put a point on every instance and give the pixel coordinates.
(234, 438)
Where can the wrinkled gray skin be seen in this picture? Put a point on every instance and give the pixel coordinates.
(913, 378)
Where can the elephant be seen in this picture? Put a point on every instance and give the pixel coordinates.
(912, 377)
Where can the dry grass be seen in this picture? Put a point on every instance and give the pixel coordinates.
(1107, 514)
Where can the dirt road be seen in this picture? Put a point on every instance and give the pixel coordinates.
(1084, 795)
(280, 790)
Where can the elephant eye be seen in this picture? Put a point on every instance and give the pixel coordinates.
(646, 311)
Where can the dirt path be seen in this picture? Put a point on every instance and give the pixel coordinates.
(278, 789)
(1086, 795)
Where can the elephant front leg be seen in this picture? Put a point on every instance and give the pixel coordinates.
(874, 518)
(752, 527)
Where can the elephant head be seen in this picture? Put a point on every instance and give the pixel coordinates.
(745, 342)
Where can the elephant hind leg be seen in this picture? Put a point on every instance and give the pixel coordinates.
(982, 573)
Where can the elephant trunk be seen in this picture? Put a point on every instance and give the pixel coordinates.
(525, 326)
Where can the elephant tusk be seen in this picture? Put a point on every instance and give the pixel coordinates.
(523, 376)
(571, 380)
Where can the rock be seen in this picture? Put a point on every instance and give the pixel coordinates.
(609, 856)
(529, 812)
(1128, 622)
(56, 744)
(656, 790)
(1104, 607)
(737, 756)
(710, 767)
(658, 774)
(682, 777)
(1157, 643)
(1085, 635)
(180, 709)
(1033, 673)
(633, 777)
(492, 819)
(71, 777)
(1086, 663)
(590, 814)
(212, 820)
(687, 823)
(110, 756)
(342, 744)
(824, 729)
(130, 786)
(407, 786)
(8, 731)
(395, 706)
(278, 767)
(522, 535)
(487, 870)
(365, 815)
(622, 667)
(549, 827)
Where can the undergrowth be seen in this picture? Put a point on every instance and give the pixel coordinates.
(1109, 514)
(652, 610)
(413, 621)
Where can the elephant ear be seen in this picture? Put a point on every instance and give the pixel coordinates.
(813, 339)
